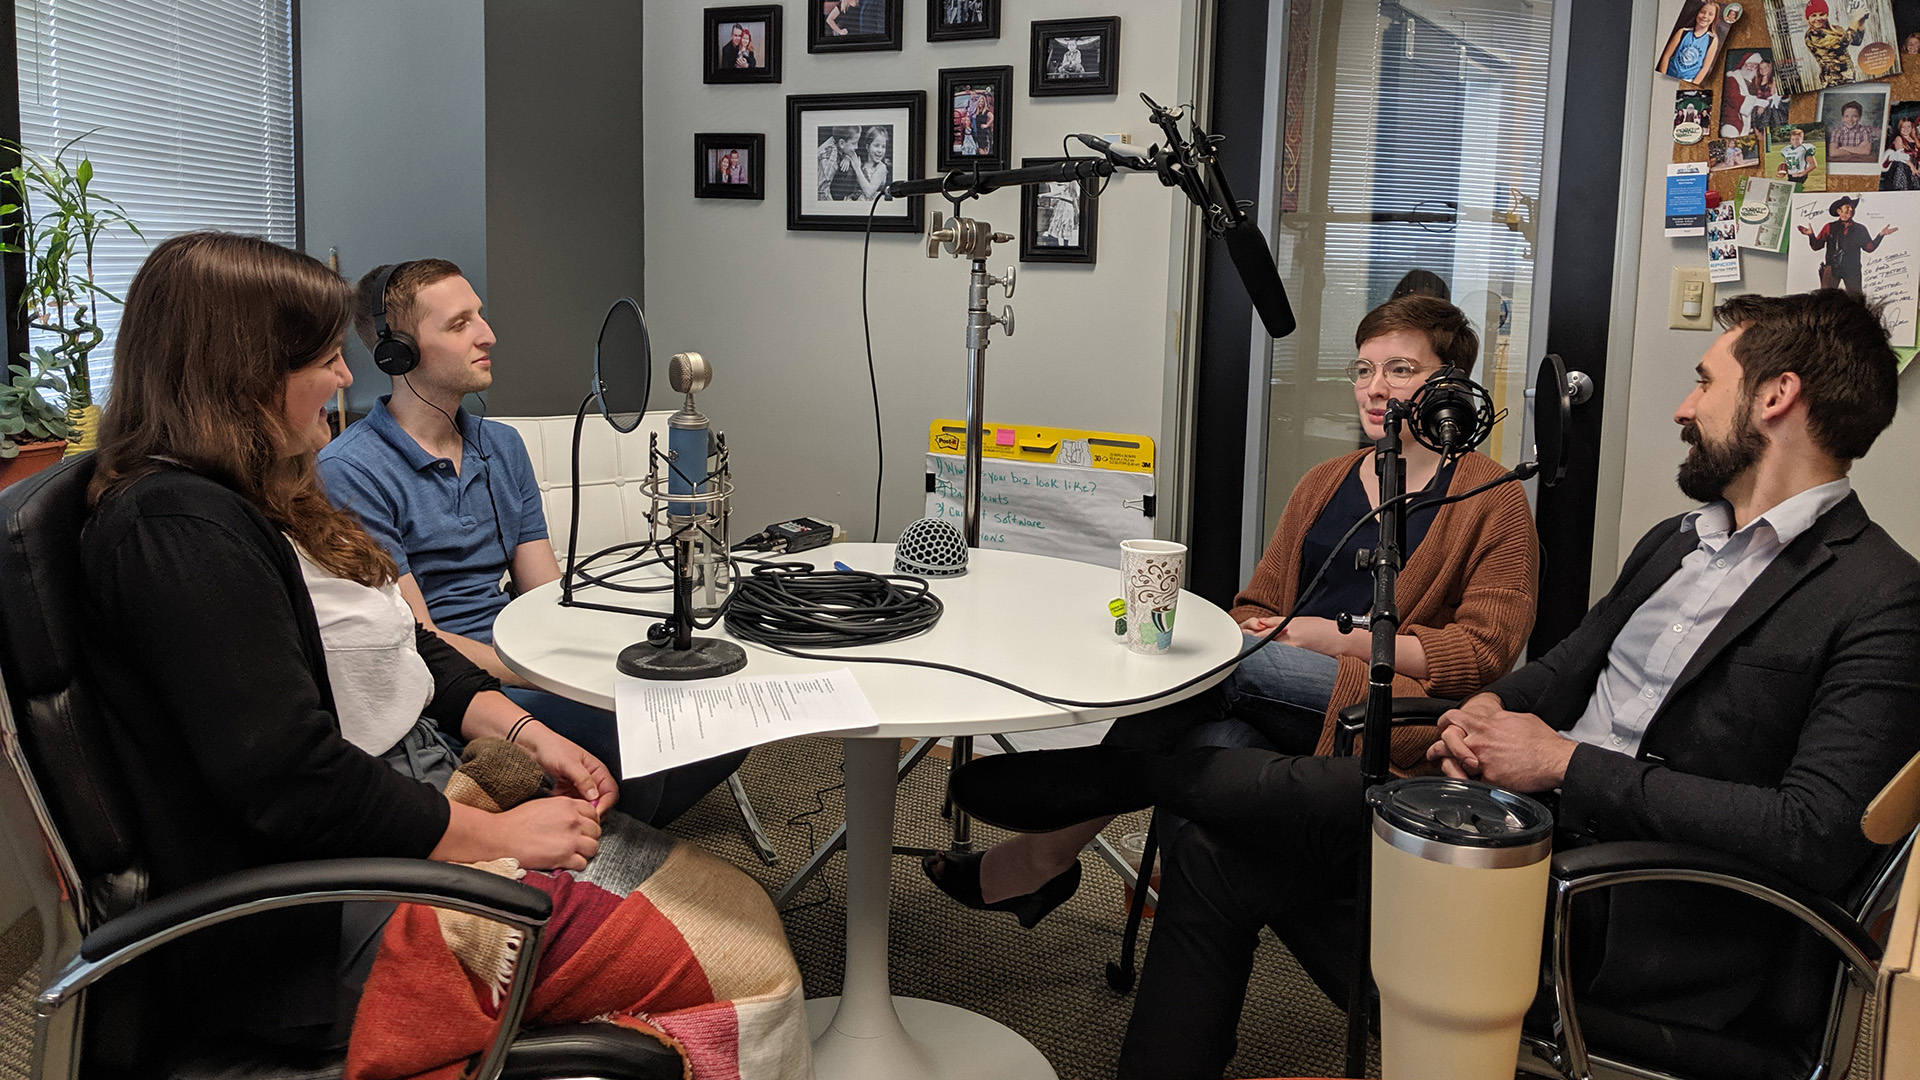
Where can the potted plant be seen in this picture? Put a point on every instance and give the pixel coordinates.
(52, 215)
(33, 427)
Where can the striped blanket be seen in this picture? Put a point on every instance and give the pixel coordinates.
(655, 935)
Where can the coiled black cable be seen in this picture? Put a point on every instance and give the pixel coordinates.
(792, 605)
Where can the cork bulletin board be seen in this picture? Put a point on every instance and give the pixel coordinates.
(1751, 33)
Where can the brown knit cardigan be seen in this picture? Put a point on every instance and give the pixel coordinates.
(1467, 592)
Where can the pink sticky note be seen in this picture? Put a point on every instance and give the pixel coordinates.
(1003, 436)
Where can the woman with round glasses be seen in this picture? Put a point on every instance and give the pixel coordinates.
(1466, 599)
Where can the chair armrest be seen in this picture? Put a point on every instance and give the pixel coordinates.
(327, 881)
(1407, 712)
(282, 885)
(1623, 862)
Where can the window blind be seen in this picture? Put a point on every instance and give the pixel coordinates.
(190, 108)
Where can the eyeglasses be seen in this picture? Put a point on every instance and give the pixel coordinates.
(1401, 372)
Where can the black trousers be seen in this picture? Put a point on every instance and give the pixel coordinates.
(1271, 840)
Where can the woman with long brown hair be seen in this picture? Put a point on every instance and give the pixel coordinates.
(270, 696)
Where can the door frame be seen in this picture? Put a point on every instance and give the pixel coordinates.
(1593, 46)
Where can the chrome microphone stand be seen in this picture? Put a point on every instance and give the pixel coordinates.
(965, 237)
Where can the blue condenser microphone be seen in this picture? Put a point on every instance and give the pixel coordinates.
(689, 436)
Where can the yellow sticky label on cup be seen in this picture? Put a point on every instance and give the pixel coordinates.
(1117, 608)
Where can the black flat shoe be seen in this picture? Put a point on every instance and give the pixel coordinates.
(1044, 790)
(959, 877)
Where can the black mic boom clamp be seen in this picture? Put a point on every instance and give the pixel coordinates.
(1189, 164)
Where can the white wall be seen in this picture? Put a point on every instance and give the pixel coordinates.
(778, 312)
(1643, 445)
(394, 141)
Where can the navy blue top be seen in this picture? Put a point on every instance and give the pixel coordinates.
(1347, 588)
(438, 524)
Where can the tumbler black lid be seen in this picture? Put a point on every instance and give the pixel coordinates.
(1462, 813)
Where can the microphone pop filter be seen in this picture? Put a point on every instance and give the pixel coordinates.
(1254, 260)
(1552, 419)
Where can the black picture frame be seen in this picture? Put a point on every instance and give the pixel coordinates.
(942, 25)
(862, 36)
(1055, 52)
(822, 195)
(710, 147)
(987, 120)
(1033, 229)
(716, 23)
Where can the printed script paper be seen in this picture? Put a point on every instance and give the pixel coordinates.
(668, 724)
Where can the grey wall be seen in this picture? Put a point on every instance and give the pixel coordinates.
(394, 141)
(563, 183)
(778, 312)
(1643, 446)
(502, 136)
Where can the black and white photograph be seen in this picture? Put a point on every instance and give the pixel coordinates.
(853, 26)
(1058, 220)
(741, 44)
(977, 126)
(1075, 56)
(842, 152)
(730, 165)
(963, 20)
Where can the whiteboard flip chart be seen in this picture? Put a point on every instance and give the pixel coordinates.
(1042, 508)
(668, 724)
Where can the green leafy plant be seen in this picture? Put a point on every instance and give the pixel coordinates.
(26, 413)
(52, 215)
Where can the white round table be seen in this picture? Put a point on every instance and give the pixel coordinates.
(1036, 621)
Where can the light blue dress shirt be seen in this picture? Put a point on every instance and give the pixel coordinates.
(1658, 640)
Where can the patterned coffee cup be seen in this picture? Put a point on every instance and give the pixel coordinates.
(1150, 575)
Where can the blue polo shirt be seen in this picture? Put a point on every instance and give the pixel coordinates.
(439, 524)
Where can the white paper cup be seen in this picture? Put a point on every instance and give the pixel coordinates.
(1150, 576)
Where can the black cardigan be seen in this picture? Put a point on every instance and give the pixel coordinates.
(206, 651)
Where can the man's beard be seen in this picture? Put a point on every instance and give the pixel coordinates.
(1710, 467)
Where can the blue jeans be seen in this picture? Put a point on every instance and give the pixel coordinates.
(1275, 700)
(1279, 691)
(656, 799)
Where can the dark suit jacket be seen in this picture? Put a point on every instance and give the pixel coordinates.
(1793, 714)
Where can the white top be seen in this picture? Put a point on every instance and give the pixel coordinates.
(1029, 619)
(380, 684)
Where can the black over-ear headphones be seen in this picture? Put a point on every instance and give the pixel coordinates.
(394, 351)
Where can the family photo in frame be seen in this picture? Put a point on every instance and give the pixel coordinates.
(1075, 56)
(977, 124)
(1058, 221)
(842, 152)
(729, 165)
(741, 44)
(963, 20)
(853, 26)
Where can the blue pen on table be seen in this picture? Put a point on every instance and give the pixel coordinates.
(838, 565)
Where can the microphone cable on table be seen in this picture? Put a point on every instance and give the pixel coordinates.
(1521, 472)
(788, 605)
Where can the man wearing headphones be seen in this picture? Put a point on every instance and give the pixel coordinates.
(454, 501)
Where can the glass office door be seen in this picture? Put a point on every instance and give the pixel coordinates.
(1412, 138)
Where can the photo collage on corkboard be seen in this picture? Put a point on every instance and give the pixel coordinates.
(1753, 107)
(1810, 104)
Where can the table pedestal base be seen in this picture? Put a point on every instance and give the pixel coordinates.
(933, 1040)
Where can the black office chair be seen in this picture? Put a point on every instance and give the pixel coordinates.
(61, 795)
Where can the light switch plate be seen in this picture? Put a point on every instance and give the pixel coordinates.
(1690, 306)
